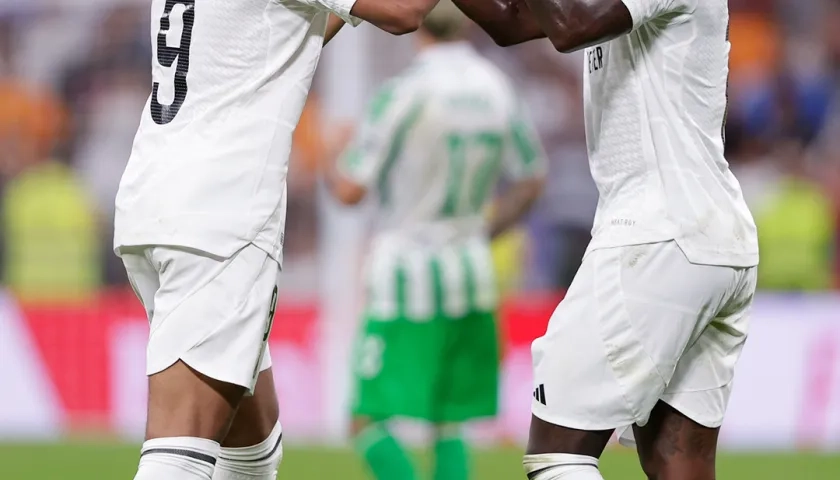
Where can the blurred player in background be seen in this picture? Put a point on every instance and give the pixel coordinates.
(200, 217)
(654, 322)
(434, 143)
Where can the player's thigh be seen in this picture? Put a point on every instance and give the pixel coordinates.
(185, 403)
(671, 446)
(214, 314)
(257, 414)
(702, 381)
(612, 345)
(396, 366)
(468, 383)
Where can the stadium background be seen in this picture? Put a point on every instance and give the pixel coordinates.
(74, 75)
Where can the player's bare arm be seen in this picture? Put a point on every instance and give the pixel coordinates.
(508, 22)
(347, 192)
(334, 25)
(575, 24)
(343, 189)
(514, 204)
(397, 17)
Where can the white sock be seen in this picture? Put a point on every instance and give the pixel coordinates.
(556, 466)
(177, 458)
(259, 462)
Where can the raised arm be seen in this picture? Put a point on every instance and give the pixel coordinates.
(508, 22)
(334, 25)
(575, 24)
(394, 16)
(397, 17)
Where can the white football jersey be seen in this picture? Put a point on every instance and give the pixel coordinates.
(655, 102)
(432, 148)
(209, 162)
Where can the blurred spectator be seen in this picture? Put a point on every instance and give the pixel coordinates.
(796, 228)
(562, 221)
(307, 150)
(827, 150)
(105, 88)
(51, 237)
(756, 40)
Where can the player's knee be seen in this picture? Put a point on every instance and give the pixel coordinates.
(677, 469)
(651, 468)
(557, 466)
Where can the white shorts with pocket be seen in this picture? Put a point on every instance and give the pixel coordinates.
(641, 324)
(214, 314)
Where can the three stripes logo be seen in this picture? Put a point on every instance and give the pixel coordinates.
(539, 394)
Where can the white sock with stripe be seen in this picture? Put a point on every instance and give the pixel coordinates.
(557, 466)
(259, 462)
(177, 458)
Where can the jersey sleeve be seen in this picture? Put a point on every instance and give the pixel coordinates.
(339, 8)
(644, 11)
(391, 115)
(524, 156)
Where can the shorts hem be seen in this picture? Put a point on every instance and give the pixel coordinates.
(706, 421)
(232, 379)
(580, 425)
(206, 371)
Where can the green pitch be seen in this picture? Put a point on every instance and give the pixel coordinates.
(85, 461)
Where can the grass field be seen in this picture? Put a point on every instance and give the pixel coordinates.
(97, 461)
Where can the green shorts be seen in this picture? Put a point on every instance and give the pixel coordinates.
(444, 370)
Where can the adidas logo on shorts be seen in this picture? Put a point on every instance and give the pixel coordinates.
(539, 394)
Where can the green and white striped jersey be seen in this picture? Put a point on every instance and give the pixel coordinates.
(434, 144)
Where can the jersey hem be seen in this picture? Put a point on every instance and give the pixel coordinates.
(697, 256)
(224, 244)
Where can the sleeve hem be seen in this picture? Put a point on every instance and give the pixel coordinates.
(342, 8)
(635, 13)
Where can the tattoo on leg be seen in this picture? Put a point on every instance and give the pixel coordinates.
(669, 444)
(681, 436)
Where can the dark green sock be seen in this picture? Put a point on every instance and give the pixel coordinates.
(451, 458)
(384, 455)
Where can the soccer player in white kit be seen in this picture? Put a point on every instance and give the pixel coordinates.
(653, 324)
(200, 218)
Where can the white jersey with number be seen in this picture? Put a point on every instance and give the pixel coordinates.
(433, 145)
(655, 103)
(209, 162)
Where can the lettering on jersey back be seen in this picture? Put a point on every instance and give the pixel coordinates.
(166, 56)
(595, 59)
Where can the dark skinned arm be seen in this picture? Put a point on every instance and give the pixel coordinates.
(508, 22)
(342, 188)
(575, 24)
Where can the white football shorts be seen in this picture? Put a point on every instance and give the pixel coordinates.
(214, 314)
(641, 324)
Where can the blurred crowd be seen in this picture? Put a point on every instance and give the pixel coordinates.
(73, 81)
